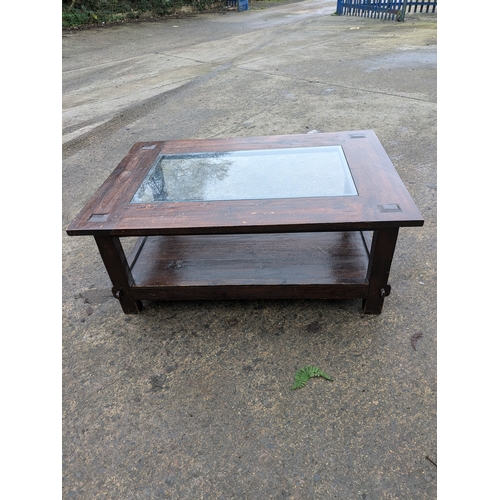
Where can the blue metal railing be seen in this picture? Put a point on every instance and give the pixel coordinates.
(383, 9)
(240, 4)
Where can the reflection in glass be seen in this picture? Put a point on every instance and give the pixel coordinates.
(247, 175)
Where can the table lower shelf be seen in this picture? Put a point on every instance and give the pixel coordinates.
(324, 265)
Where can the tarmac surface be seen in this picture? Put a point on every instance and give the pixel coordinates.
(192, 400)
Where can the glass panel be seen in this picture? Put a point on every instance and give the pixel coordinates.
(248, 175)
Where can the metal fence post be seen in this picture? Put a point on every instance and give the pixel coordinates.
(401, 16)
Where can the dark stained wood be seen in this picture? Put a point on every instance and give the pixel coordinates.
(376, 180)
(381, 255)
(256, 259)
(367, 238)
(116, 264)
(252, 292)
(318, 248)
(278, 266)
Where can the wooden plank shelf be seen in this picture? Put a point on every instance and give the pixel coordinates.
(319, 265)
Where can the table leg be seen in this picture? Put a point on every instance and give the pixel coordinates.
(116, 264)
(379, 265)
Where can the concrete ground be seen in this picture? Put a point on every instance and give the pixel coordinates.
(192, 400)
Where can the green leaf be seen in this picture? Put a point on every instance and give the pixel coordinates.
(304, 374)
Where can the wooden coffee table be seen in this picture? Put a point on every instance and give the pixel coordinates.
(311, 216)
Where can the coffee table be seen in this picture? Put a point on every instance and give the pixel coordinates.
(307, 216)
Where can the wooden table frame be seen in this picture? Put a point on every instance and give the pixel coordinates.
(320, 248)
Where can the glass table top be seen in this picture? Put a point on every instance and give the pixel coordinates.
(246, 175)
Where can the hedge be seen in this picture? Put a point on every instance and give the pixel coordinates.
(82, 12)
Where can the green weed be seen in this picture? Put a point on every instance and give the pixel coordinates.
(304, 374)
